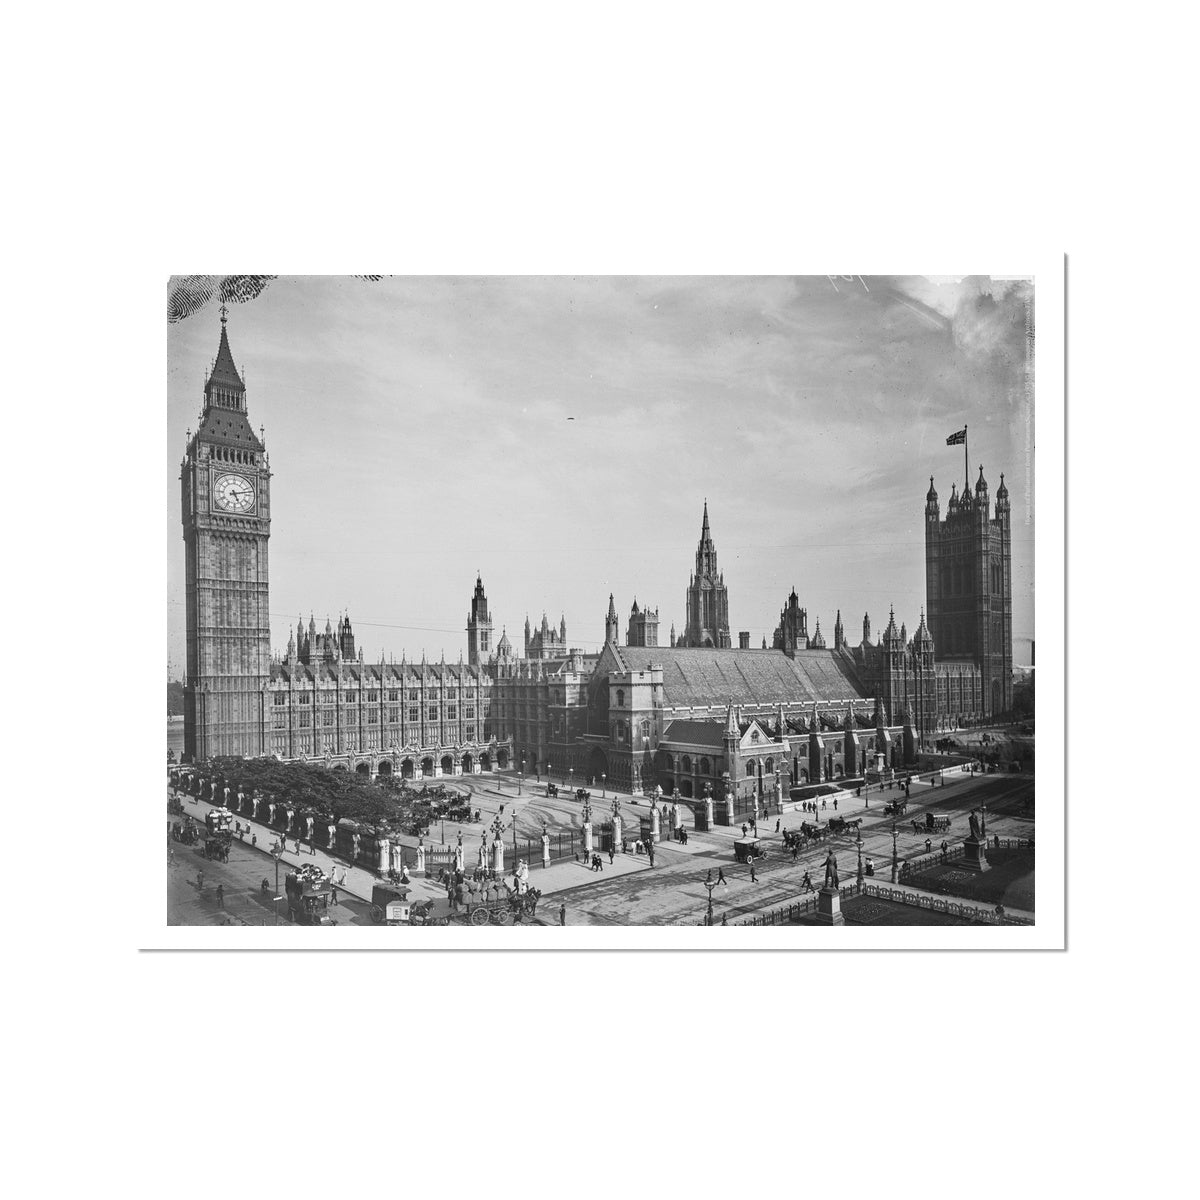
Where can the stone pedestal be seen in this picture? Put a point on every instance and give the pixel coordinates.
(545, 850)
(655, 825)
(385, 856)
(618, 832)
(498, 857)
(587, 838)
(975, 858)
(708, 813)
(829, 907)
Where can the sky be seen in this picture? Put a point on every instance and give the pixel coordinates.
(561, 435)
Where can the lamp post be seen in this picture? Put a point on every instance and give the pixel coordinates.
(708, 883)
(549, 771)
(520, 776)
(604, 785)
(275, 854)
(571, 780)
(895, 862)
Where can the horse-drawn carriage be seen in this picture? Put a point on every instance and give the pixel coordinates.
(813, 832)
(897, 807)
(844, 824)
(551, 789)
(513, 906)
(184, 832)
(308, 890)
(217, 846)
(174, 806)
(931, 824)
(582, 795)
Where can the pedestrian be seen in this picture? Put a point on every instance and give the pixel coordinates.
(254, 839)
(806, 883)
(200, 881)
(297, 845)
(795, 851)
(754, 825)
(870, 867)
(928, 845)
(170, 856)
(220, 895)
(333, 894)
(944, 850)
(835, 804)
(721, 876)
(824, 805)
(562, 914)
(777, 820)
(650, 851)
(724, 918)
(312, 846)
(612, 854)
(708, 877)
(753, 877)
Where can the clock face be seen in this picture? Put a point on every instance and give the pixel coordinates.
(233, 493)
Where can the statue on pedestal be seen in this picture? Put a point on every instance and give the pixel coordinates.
(831, 871)
(974, 819)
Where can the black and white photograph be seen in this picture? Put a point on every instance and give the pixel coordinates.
(602, 603)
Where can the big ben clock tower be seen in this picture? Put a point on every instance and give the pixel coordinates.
(226, 523)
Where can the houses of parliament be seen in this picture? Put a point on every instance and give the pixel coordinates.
(698, 716)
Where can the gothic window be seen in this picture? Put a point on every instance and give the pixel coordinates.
(393, 696)
(372, 697)
(373, 716)
(280, 698)
(470, 733)
(750, 768)
(451, 711)
(412, 695)
(705, 767)
(769, 766)
(328, 717)
(685, 764)
(620, 698)
(414, 713)
(469, 711)
(393, 714)
(305, 698)
(620, 731)
(351, 697)
(433, 712)
(645, 729)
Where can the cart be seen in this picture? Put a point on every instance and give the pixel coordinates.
(504, 910)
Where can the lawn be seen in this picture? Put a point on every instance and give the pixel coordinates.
(1009, 882)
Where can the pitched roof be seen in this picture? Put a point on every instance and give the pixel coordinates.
(695, 733)
(693, 675)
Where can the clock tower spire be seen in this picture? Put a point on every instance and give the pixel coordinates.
(225, 495)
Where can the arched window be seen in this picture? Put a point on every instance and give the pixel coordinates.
(620, 698)
(705, 767)
(769, 766)
(750, 767)
(685, 764)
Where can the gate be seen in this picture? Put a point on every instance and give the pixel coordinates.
(700, 813)
(604, 837)
(437, 858)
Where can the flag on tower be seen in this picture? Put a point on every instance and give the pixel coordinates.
(957, 439)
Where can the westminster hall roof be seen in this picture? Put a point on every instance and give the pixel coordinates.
(694, 676)
(695, 733)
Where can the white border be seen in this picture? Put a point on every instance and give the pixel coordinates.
(1049, 931)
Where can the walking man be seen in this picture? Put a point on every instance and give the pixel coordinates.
(777, 820)
(220, 895)
(806, 883)
(200, 881)
(753, 877)
(795, 851)
(721, 876)
(562, 914)
(612, 854)
(835, 804)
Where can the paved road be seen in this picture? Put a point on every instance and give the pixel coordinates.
(241, 877)
(631, 892)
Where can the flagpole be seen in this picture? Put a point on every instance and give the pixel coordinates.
(967, 455)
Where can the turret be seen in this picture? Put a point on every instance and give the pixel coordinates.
(866, 629)
(610, 623)
(981, 491)
(527, 635)
(672, 634)
(1002, 508)
(818, 642)
(931, 502)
